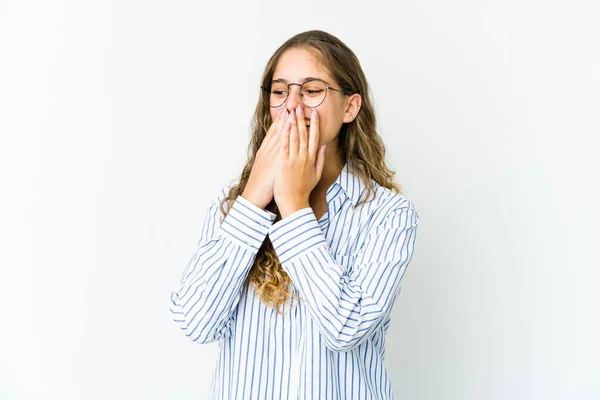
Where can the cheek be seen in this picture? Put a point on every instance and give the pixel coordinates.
(325, 134)
(329, 129)
(326, 128)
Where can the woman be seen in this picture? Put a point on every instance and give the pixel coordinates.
(296, 276)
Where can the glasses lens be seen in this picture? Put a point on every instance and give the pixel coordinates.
(313, 93)
(278, 94)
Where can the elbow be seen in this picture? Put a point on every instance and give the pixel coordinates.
(197, 331)
(204, 339)
(346, 337)
(205, 335)
(339, 344)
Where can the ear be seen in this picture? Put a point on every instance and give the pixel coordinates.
(353, 103)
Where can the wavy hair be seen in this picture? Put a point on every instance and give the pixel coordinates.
(358, 142)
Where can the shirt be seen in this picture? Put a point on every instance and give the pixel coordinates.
(346, 267)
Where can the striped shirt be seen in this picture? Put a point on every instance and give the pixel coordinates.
(346, 267)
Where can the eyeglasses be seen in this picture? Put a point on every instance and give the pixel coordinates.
(312, 92)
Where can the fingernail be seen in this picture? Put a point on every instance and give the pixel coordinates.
(299, 109)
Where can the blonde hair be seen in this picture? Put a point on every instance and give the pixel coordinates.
(358, 142)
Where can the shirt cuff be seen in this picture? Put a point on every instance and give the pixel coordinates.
(296, 234)
(247, 224)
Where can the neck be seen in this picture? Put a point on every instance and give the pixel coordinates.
(331, 171)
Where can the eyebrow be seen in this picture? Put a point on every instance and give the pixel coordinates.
(302, 81)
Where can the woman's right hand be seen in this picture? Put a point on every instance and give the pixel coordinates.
(259, 189)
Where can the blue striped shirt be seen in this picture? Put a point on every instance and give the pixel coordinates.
(346, 267)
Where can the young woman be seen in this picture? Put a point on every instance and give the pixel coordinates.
(299, 262)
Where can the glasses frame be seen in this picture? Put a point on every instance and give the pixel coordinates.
(328, 88)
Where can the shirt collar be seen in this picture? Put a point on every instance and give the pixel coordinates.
(352, 185)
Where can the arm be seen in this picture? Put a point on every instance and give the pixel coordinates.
(346, 306)
(209, 291)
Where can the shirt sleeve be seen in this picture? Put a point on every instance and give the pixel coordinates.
(346, 305)
(202, 304)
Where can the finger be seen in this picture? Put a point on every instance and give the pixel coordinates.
(276, 125)
(284, 116)
(280, 122)
(302, 134)
(313, 142)
(271, 140)
(284, 140)
(293, 135)
(320, 161)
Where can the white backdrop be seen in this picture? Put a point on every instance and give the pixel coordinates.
(119, 120)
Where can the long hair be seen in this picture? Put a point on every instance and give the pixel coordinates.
(358, 141)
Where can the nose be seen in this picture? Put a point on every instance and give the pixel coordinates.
(293, 98)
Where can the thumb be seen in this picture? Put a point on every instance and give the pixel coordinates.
(320, 161)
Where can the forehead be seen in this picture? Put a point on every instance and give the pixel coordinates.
(297, 64)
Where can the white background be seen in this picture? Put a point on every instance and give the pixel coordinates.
(119, 120)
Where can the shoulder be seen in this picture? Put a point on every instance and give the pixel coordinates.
(390, 209)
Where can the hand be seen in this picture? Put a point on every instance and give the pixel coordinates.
(300, 162)
(259, 189)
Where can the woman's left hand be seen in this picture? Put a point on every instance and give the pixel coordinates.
(299, 164)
